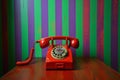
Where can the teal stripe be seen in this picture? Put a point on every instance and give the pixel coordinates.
(24, 28)
(119, 36)
(107, 32)
(51, 18)
(93, 28)
(11, 35)
(37, 14)
(79, 26)
(65, 18)
(1, 66)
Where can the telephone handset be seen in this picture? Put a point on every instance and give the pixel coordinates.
(58, 56)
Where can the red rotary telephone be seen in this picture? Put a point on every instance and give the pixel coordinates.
(58, 56)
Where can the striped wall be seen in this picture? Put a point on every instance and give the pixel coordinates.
(96, 23)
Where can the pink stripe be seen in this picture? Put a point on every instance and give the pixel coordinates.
(86, 29)
(100, 30)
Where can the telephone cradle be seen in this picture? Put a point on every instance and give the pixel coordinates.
(58, 56)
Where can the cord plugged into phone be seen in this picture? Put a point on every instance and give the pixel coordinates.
(58, 56)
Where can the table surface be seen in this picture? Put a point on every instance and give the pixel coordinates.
(85, 69)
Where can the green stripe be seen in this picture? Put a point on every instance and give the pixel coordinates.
(24, 28)
(37, 14)
(79, 26)
(107, 32)
(119, 35)
(11, 35)
(1, 67)
(51, 17)
(65, 18)
(93, 28)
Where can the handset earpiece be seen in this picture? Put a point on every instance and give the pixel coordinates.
(43, 43)
(74, 43)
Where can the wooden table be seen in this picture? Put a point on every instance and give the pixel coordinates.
(85, 69)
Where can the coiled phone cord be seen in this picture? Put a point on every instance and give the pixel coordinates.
(29, 59)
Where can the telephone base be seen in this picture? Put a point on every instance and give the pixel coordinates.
(59, 65)
(65, 63)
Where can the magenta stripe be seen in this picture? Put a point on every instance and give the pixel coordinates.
(44, 22)
(17, 30)
(72, 29)
(59, 18)
(100, 29)
(86, 27)
(30, 23)
(114, 35)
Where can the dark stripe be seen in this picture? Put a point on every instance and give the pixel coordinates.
(44, 4)
(114, 35)
(18, 50)
(4, 35)
(119, 36)
(30, 23)
(59, 18)
(72, 25)
(11, 34)
(86, 27)
(100, 30)
(1, 54)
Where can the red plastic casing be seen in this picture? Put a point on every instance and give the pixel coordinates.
(65, 63)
